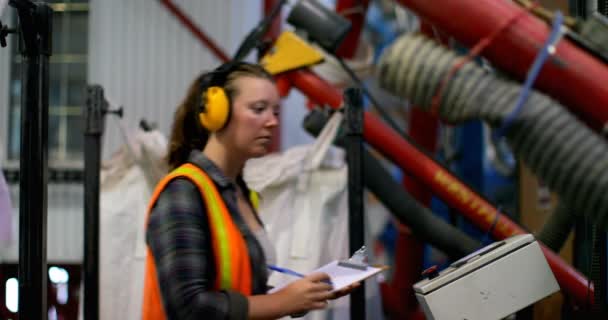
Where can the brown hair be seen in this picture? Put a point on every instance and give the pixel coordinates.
(187, 133)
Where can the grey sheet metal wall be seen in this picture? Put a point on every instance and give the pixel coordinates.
(145, 59)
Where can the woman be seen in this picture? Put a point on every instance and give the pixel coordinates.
(207, 249)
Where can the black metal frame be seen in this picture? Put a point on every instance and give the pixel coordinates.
(587, 249)
(602, 7)
(4, 32)
(353, 101)
(55, 175)
(96, 107)
(35, 26)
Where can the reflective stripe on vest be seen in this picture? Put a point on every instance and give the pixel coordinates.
(232, 265)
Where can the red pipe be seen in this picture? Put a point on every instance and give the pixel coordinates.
(409, 253)
(275, 27)
(355, 11)
(574, 77)
(196, 31)
(444, 184)
(283, 84)
(409, 250)
(273, 32)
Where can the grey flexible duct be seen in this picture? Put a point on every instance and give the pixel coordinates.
(557, 228)
(406, 209)
(569, 157)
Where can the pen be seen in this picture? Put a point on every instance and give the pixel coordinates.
(293, 273)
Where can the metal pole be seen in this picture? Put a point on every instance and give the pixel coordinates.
(94, 114)
(35, 23)
(353, 100)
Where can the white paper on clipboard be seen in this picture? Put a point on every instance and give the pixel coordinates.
(341, 277)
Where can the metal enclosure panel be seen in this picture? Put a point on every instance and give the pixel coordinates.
(495, 290)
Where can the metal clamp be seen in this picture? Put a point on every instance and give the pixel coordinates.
(357, 261)
(4, 32)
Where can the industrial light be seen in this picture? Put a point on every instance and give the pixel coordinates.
(58, 275)
(12, 295)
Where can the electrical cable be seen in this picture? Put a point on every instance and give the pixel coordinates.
(556, 229)
(402, 206)
(381, 110)
(253, 39)
(547, 50)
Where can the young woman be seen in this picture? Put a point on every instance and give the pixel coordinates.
(207, 249)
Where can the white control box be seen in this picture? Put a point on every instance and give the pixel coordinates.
(491, 283)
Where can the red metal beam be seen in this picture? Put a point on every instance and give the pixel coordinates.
(196, 31)
(409, 249)
(275, 28)
(444, 184)
(355, 11)
(273, 32)
(574, 77)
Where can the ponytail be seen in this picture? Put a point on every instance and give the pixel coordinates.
(187, 133)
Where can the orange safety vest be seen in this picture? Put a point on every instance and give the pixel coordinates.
(229, 248)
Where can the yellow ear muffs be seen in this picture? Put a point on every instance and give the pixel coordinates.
(217, 109)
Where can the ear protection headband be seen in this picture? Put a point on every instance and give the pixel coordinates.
(215, 103)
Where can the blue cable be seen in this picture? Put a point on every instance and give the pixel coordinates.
(487, 237)
(554, 37)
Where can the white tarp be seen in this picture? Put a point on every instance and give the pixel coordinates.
(6, 214)
(6, 211)
(304, 206)
(127, 182)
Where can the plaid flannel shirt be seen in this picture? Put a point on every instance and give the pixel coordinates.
(180, 240)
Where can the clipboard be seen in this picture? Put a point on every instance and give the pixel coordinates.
(342, 276)
(344, 273)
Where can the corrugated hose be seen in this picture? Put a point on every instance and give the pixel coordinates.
(570, 158)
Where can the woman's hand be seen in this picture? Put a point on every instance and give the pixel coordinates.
(345, 291)
(308, 293)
